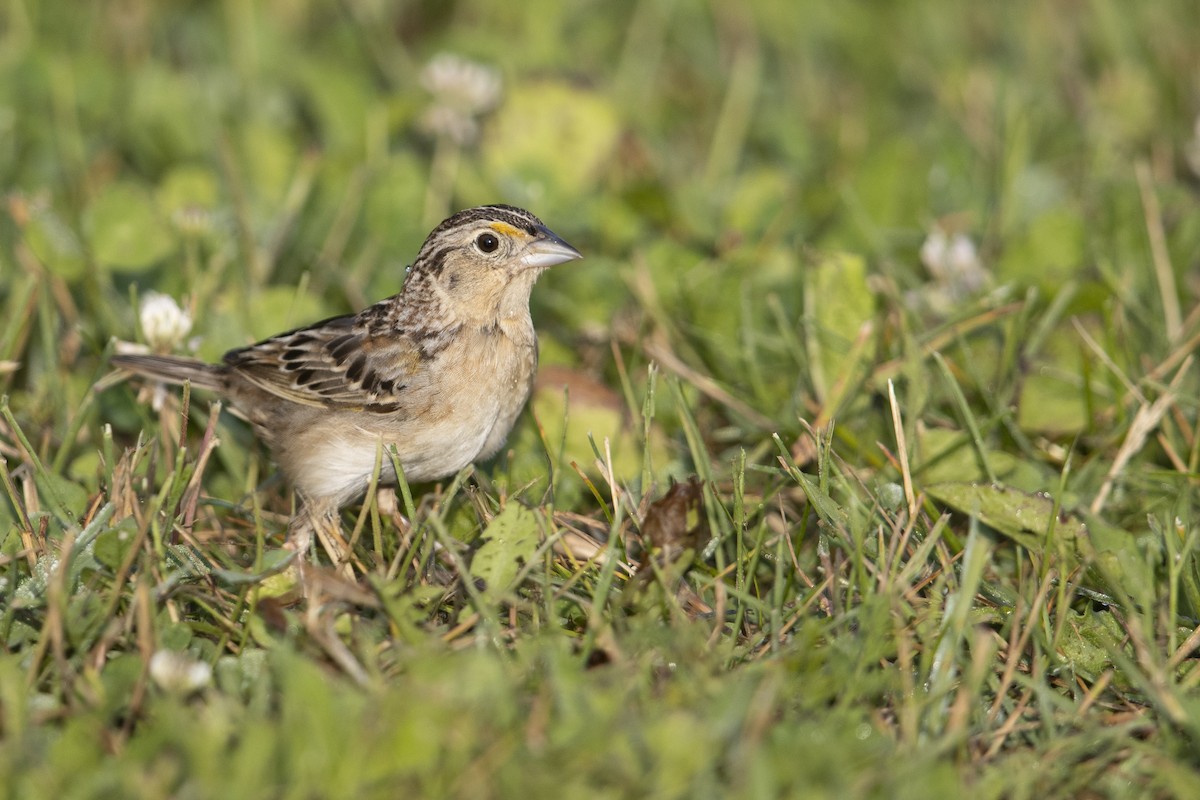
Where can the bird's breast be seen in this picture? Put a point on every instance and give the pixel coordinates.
(496, 380)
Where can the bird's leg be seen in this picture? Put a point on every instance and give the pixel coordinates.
(386, 502)
(300, 530)
(319, 517)
(329, 534)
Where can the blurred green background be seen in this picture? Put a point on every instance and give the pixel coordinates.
(200, 147)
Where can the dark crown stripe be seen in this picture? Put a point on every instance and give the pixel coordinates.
(517, 217)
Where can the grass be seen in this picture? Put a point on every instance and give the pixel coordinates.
(910, 289)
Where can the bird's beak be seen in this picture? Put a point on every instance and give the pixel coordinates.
(548, 250)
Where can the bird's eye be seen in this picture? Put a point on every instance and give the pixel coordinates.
(487, 242)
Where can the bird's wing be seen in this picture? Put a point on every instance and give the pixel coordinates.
(343, 362)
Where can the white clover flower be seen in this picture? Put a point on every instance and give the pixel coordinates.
(178, 672)
(192, 220)
(953, 261)
(456, 126)
(933, 251)
(164, 323)
(462, 91)
(461, 83)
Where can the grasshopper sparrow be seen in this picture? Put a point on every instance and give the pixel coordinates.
(439, 371)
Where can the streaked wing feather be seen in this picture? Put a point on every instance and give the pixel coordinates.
(340, 362)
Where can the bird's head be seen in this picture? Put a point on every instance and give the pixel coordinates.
(482, 262)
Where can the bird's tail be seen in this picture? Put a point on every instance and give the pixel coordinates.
(172, 369)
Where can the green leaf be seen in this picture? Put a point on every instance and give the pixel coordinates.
(174, 636)
(268, 157)
(189, 562)
(121, 674)
(273, 564)
(66, 499)
(756, 200)
(187, 188)
(1051, 403)
(946, 456)
(1120, 565)
(169, 113)
(244, 673)
(827, 508)
(1088, 641)
(55, 244)
(1048, 252)
(1115, 564)
(86, 616)
(591, 412)
(883, 185)
(838, 305)
(112, 546)
(550, 137)
(125, 230)
(1024, 518)
(509, 542)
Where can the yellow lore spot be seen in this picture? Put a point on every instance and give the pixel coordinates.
(508, 230)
